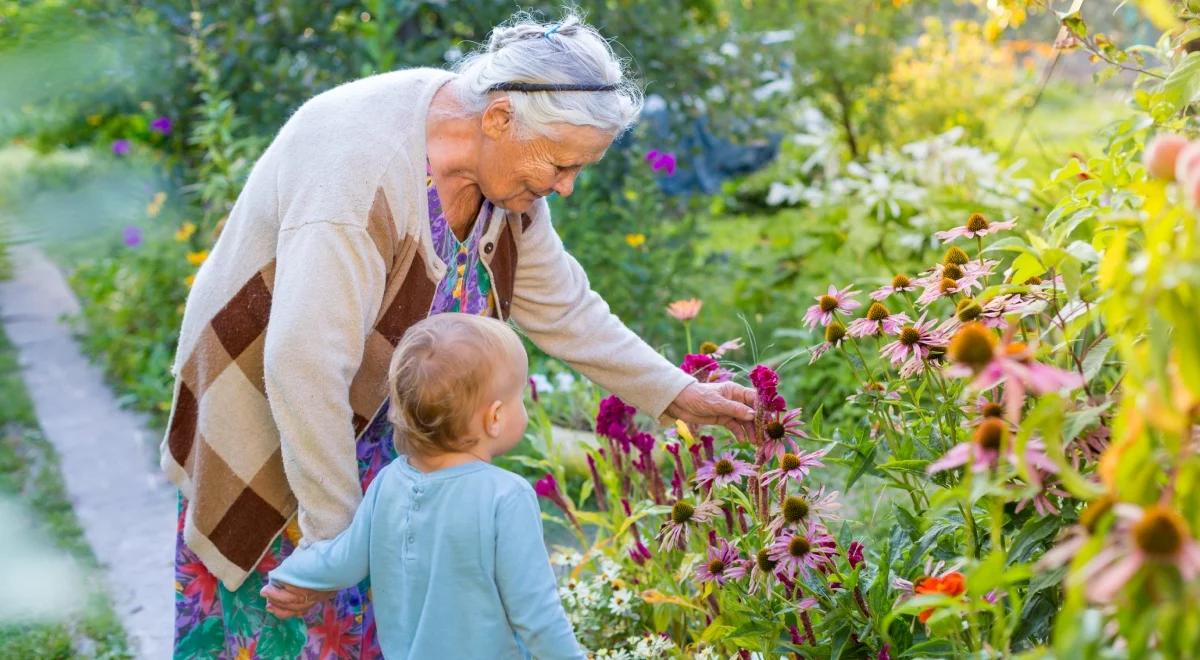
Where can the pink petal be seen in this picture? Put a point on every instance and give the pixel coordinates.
(1106, 583)
(958, 455)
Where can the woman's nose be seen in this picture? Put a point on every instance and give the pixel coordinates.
(565, 184)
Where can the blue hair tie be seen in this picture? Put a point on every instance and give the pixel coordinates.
(551, 30)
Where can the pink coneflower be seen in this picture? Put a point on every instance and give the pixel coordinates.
(983, 451)
(997, 308)
(827, 305)
(878, 321)
(781, 434)
(947, 280)
(805, 511)
(803, 552)
(724, 564)
(675, 530)
(718, 350)
(913, 341)
(975, 350)
(795, 467)
(664, 161)
(1156, 535)
(685, 310)
(1090, 445)
(835, 333)
(1072, 539)
(900, 283)
(725, 469)
(977, 225)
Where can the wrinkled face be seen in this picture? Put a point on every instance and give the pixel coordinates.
(516, 171)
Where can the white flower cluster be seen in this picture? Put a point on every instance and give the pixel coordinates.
(600, 606)
(646, 647)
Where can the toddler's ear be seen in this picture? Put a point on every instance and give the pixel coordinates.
(491, 420)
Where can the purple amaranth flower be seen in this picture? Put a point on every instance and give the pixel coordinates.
(704, 368)
(598, 488)
(661, 161)
(803, 552)
(885, 652)
(900, 284)
(547, 487)
(131, 236)
(829, 304)
(161, 125)
(533, 390)
(677, 476)
(977, 225)
(121, 147)
(615, 419)
(724, 564)
(683, 514)
(726, 469)
(879, 320)
(913, 340)
(854, 554)
(766, 383)
(795, 467)
(639, 553)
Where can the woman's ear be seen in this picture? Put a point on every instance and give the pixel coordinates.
(498, 118)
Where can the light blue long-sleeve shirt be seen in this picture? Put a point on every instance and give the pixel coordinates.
(457, 563)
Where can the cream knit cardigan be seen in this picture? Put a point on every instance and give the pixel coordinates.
(293, 294)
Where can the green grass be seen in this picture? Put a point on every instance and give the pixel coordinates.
(29, 473)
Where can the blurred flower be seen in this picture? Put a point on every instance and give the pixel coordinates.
(547, 487)
(975, 351)
(197, 258)
(131, 236)
(190, 280)
(977, 225)
(185, 231)
(675, 530)
(685, 310)
(1156, 535)
(121, 147)
(724, 564)
(725, 469)
(879, 320)
(161, 125)
(899, 283)
(95, 119)
(913, 341)
(803, 552)
(829, 304)
(156, 204)
(533, 389)
(982, 451)
(661, 161)
(635, 240)
(951, 584)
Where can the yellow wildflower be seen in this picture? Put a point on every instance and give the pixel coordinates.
(156, 204)
(189, 280)
(197, 258)
(94, 120)
(635, 240)
(185, 232)
(631, 195)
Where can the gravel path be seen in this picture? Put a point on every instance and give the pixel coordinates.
(108, 457)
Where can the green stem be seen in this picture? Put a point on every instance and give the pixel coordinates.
(687, 334)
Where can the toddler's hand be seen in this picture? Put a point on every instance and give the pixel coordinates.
(286, 601)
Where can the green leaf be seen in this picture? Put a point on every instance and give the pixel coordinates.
(1025, 267)
(1183, 84)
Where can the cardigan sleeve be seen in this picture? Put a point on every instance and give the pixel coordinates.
(329, 282)
(555, 305)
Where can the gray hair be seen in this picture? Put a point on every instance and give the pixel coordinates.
(569, 52)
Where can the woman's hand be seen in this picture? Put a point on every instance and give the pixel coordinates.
(728, 404)
(286, 601)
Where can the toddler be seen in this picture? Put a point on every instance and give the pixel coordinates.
(453, 545)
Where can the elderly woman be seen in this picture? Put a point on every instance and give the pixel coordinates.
(381, 202)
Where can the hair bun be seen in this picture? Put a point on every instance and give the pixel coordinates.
(504, 35)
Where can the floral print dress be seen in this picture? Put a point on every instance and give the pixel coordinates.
(213, 622)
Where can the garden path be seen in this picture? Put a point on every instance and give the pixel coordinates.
(109, 466)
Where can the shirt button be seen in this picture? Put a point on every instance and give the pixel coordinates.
(487, 249)
(411, 538)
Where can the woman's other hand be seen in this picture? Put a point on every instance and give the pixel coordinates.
(286, 601)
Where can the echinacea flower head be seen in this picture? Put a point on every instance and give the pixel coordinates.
(685, 310)
(832, 302)
(675, 530)
(982, 451)
(967, 310)
(795, 467)
(835, 332)
(724, 564)
(803, 551)
(973, 346)
(724, 469)
(977, 225)
(879, 320)
(801, 511)
(914, 340)
(1009, 362)
(779, 433)
(899, 284)
(955, 256)
(1156, 535)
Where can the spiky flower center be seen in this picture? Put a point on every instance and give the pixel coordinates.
(764, 561)
(789, 462)
(681, 513)
(828, 303)
(948, 286)
(992, 409)
(799, 546)
(1033, 281)
(795, 509)
(775, 430)
(909, 335)
(955, 256)
(835, 332)
(977, 222)
(953, 271)
(723, 467)
(716, 567)
(901, 282)
(708, 348)
(1160, 532)
(968, 310)
(973, 345)
(990, 433)
(1094, 512)
(877, 312)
